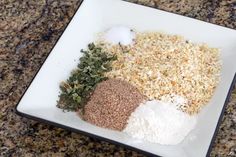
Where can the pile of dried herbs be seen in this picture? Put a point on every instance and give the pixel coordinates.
(76, 91)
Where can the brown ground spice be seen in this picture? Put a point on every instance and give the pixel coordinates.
(112, 103)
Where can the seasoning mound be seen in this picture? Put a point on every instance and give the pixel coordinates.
(111, 104)
(77, 89)
(160, 64)
(159, 122)
(119, 35)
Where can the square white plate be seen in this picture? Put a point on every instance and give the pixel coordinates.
(93, 16)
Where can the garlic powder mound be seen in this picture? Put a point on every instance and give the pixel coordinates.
(159, 122)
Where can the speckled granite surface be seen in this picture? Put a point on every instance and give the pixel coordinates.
(29, 29)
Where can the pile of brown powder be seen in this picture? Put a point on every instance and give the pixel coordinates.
(112, 103)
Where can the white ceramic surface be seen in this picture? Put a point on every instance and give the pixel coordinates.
(95, 16)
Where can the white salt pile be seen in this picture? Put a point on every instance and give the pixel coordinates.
(119, 34)
(159, 122)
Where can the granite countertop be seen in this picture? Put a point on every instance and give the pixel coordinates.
(29, 29)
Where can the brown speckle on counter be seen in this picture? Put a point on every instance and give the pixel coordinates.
(29, 29)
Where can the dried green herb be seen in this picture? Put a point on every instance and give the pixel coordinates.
(76, 91)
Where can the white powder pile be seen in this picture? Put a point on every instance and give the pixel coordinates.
(177, 100)
(159, 122)
(119, 34)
